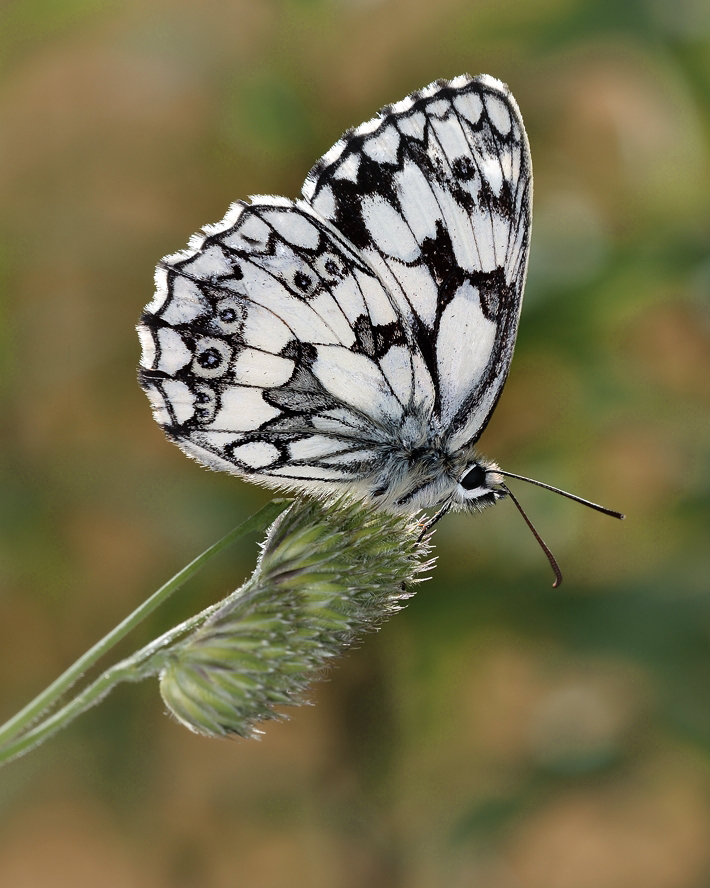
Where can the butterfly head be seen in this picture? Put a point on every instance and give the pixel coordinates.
(479, 485)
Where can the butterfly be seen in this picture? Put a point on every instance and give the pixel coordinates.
(358, 338)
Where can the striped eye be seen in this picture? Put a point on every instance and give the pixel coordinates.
(474, 478)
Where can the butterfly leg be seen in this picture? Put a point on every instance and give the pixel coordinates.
(428, 524)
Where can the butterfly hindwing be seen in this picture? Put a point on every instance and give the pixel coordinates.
(271, 347)
(435, 193)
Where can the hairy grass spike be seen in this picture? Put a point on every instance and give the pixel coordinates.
(330, 571)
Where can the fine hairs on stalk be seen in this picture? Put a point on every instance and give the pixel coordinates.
(330, 571)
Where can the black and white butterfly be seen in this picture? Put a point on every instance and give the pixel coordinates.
(360, 337)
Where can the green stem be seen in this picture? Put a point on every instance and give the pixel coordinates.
(145, 662)
(91, 695)
(11, 746)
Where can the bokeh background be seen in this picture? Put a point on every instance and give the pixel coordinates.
(497, 733)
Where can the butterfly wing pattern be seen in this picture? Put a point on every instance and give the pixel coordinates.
(359, 337)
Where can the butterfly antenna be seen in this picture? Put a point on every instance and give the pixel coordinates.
(543, 545)
(577, 499)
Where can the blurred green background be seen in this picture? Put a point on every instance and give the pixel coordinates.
(496, 734)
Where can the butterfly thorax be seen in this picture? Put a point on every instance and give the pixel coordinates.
(425, 474)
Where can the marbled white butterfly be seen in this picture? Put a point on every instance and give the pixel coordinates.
(360, 337)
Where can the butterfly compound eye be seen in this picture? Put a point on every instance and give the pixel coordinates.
(475, 477)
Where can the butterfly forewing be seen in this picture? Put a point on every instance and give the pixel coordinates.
(435, 192)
